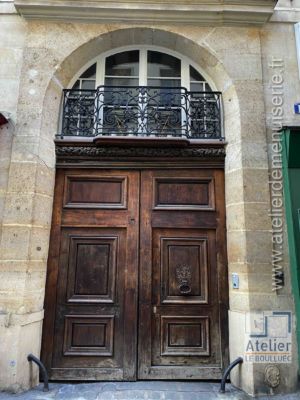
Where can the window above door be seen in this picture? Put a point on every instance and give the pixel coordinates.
(142, 67)
(141, 92)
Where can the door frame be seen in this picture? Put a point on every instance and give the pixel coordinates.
(88, 154)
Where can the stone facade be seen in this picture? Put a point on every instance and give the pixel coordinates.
(38, 58)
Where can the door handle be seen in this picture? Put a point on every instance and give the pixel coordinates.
(184, 278)
(185, 288)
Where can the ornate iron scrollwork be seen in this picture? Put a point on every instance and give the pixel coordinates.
(141, 111)
(184, 275)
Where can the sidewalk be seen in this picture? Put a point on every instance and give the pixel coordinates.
(137, 391)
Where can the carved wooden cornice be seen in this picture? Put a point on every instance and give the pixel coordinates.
(83, 153)
(200, 12)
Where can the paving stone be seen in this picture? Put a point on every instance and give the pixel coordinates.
(160, 390)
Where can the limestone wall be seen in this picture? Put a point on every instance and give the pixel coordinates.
(41, 58)
(12, 270)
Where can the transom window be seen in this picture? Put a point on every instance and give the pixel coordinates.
(142, 68)
(141, 92)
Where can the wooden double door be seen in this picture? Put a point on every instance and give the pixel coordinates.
(137, 283)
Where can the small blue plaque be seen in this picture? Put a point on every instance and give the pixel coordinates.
(297, 108)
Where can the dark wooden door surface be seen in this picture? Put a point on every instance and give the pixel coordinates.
(118, 236)
(183, 280)
(91, 331)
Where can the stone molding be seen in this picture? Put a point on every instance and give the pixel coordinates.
(7, 320)
(7, 7)
(200, 12)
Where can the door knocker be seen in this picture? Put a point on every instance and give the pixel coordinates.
(184, 274)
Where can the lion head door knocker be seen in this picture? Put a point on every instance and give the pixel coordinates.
(183, 274)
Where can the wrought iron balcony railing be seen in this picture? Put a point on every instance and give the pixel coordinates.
(141, 111)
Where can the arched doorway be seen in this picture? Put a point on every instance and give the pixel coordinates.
(242, 126)
(137, 265)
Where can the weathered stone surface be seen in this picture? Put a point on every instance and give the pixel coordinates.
(18, 208)
(25, 148)
(39, 243)
(45, 177)
(22, 177)
(250, 216)
(14, 242)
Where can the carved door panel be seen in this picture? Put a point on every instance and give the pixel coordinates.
(182, 275)
(90, 311)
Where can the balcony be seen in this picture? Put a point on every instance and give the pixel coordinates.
(141, 112)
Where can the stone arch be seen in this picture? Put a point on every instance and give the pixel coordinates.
(203, 56)
(200, 54)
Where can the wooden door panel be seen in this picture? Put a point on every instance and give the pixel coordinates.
(195, 220)
(183, 269)
(86, 280)
(184, 336)
(89, 335)
(183, 193)
(92, 268)
(92, 312)
(179, 278)
(101, 192)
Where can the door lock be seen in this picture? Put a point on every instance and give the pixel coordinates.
(131, 220)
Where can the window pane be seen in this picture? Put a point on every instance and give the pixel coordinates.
(76, 85)
(163, 65)
(198, 87)
(202, 86)
(195, 76)
(123, 64)
(88, 85)
(207, 88)
(166, 83)
(90, 72)
(121, 82)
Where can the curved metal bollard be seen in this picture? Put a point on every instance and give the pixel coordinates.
(42, 368)
(227, 371)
